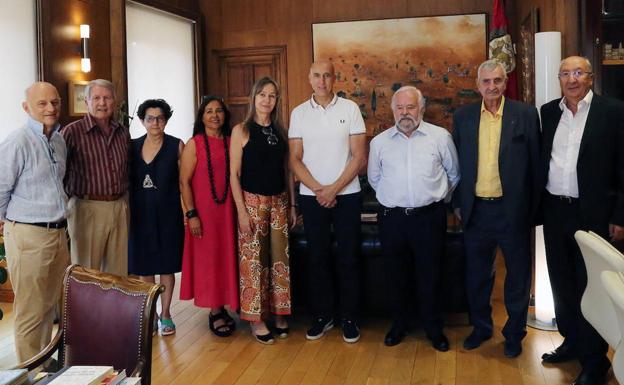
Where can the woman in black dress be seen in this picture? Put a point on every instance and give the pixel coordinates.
(156, 222)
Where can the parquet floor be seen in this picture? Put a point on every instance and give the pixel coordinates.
(194, 356)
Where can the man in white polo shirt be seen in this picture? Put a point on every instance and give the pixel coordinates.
(327, 139)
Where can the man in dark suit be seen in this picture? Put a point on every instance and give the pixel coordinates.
(497, 142)
(583, 172)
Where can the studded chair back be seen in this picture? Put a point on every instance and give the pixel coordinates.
(107, 320)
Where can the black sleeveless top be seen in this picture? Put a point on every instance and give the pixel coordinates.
(262, 169)
(156, 236)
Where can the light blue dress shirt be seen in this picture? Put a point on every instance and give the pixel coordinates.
(413, 171)
(32, 169)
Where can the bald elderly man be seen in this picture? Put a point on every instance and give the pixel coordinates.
(33, 208)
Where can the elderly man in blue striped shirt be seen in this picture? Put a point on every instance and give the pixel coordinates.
(413, 168)
(33, 208)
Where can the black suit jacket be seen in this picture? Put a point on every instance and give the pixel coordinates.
(518, 160)
(600, 165)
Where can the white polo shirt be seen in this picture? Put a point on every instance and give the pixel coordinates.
(325, 133)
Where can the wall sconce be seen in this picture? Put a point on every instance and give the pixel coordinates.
(85, 61)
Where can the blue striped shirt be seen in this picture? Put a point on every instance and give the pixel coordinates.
(31, 175)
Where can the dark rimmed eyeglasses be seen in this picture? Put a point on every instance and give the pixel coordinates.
(271, 137)
(155, 119)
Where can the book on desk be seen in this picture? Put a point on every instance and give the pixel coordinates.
(13, 377)
(90, 375)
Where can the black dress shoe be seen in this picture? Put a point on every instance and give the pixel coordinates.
(592, 376)
(395, 335)
(475, 339)
(565, 352)
(512, 349)
(439, 342)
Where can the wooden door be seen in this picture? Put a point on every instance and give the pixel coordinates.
(240, 68)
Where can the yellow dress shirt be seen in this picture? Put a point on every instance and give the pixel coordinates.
(488, 177)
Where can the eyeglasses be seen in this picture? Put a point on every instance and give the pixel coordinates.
(575, 74)
(156, 119)
(271, 137)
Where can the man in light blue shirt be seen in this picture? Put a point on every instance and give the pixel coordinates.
(33, 207)
(413, 169)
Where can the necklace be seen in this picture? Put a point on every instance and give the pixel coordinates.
(213, 189)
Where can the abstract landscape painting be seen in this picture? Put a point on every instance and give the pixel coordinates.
(373, 58)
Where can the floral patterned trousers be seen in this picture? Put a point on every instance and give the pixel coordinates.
(263, 258)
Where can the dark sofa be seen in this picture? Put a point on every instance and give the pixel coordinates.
(452, 296)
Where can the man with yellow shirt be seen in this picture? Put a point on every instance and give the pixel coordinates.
(497, 142)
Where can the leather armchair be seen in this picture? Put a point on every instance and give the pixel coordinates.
(105, 320)
(613, 282)
(599, 311)
(451, 293)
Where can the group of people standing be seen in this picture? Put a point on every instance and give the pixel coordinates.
(219, 208)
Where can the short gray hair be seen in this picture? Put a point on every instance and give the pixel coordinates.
(99, 83)
(491, 65)
(414, 91)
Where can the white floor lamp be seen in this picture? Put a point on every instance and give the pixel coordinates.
(547, 59)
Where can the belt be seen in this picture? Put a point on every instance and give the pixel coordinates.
(96, 197)
(489, 199)
(410, 210)
(48, 225)
(564, 198)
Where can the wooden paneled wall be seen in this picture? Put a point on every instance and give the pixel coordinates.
(247, 23)
(60, 40)
(555, 15)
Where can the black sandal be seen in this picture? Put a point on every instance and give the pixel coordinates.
(224, 330)
(228, 319)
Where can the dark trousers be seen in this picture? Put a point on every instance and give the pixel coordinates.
(317, 222)
(412, 246)
(568, 278)
(488, 228)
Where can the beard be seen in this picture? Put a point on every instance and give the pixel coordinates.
(407, 123)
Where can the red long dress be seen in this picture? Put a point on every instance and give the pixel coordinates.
(209, 263)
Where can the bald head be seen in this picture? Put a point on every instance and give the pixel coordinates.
(43, 103)
(323, 66)
(322, 77)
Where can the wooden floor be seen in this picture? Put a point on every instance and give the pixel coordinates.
(195, 356)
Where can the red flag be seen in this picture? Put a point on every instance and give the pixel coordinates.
(501, 47)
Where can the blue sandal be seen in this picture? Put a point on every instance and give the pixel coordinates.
(167, 327)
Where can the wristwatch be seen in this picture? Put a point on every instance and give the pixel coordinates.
(192, 213)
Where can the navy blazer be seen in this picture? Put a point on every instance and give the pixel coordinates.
(518, 160)
(600, 164)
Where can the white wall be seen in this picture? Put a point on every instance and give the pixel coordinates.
(18, 63)
(161, 66)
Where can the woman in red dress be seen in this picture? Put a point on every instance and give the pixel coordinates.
(209, 263)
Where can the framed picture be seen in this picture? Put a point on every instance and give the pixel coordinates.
(77, 97)
(526, 56)
(373, 58)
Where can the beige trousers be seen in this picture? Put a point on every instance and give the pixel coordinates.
(98, 232)
(37, 258)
